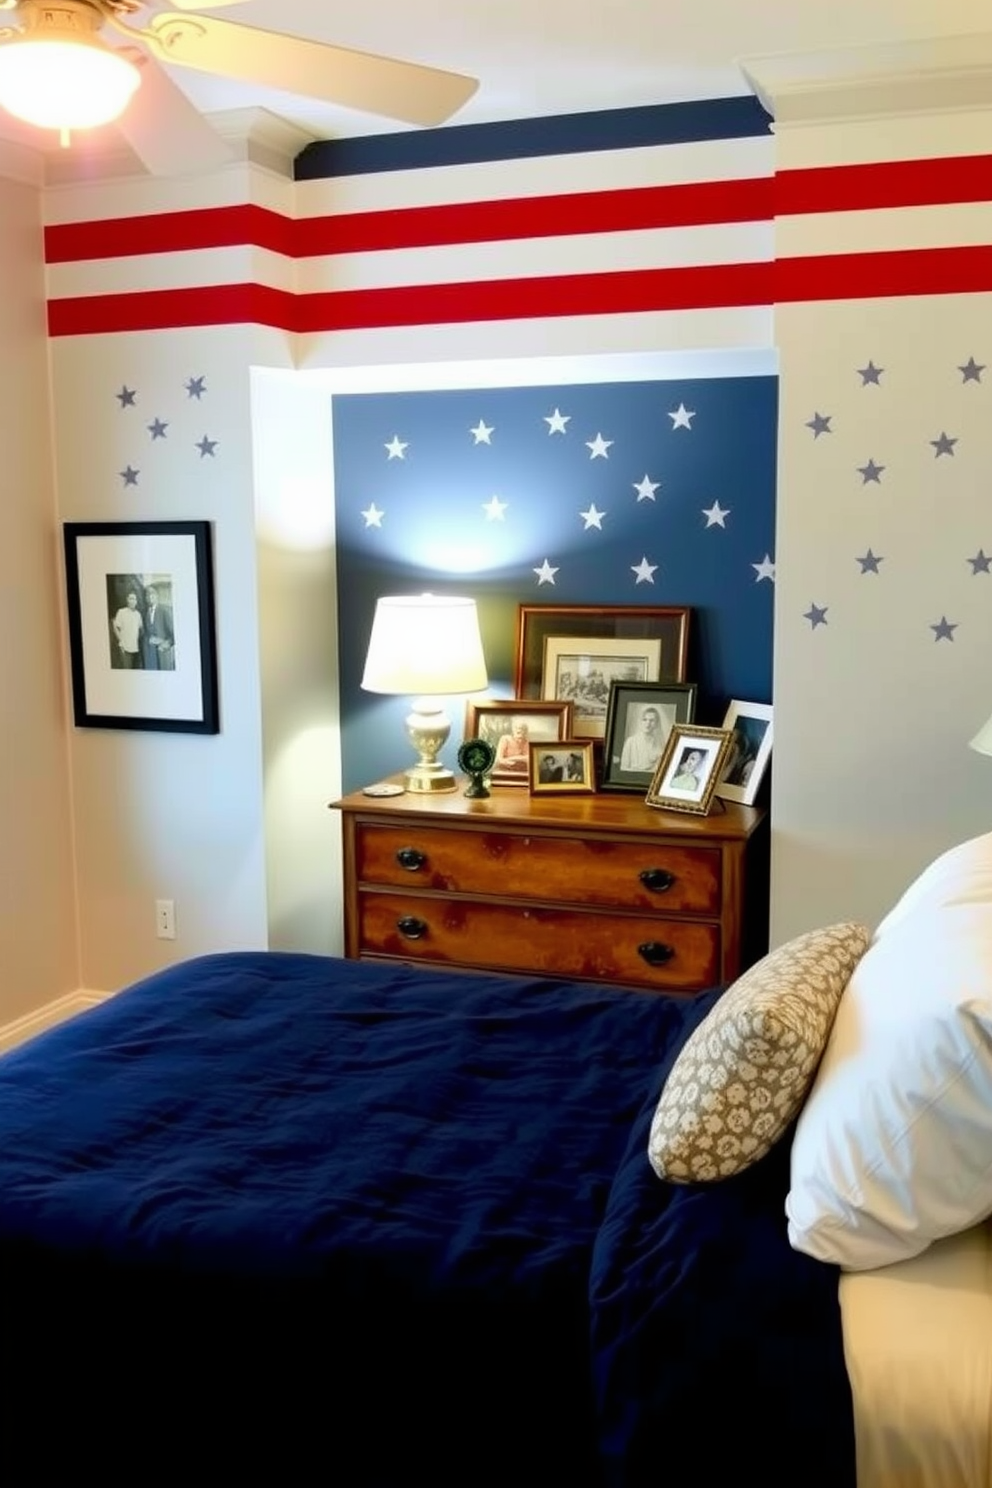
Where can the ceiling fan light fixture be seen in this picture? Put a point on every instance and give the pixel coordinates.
(65, 84)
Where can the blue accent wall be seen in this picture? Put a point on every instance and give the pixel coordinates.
(425, 518)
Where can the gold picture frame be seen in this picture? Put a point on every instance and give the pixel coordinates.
(565, 768)
(690, 768)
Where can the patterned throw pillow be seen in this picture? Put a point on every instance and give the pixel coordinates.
(743, 1074)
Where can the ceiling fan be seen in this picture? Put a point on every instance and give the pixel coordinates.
(162, 126)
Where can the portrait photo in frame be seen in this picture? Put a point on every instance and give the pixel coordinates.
(751, 726)
(639, 718)
(510, 726)
(689, 768)
(141, 625)
(668, 624)
(582, 672)
(563, 768)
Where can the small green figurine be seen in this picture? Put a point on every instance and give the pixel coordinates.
(475, 759)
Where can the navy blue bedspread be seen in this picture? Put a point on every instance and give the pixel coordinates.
(290, 1220)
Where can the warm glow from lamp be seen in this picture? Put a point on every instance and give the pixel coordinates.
(66, 79)
(424, 646)
(982, 742)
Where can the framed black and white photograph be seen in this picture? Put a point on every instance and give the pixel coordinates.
(563, 768)
(666, 624)
(751, 724)
(582, 673)
(141, 625)
(510, 727)
(690, 766)
(639, 718)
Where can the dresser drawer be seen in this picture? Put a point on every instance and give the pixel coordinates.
(645, 875)
(642, 950)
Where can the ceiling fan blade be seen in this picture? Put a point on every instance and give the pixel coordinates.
(167, 133)
(313, 69)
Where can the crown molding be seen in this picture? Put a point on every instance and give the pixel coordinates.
(942, 74)
(254, 137)
(262, 138)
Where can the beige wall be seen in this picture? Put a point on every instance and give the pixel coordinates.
(874, 709)
(169, 815)
(38, 927)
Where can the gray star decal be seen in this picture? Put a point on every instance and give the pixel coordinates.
(816, 615)
(972, 371)
(129, 476)
(944, 445)
(943, 630)
(981, 563)
(207, 447)
(870, 561)
(870, 374)
(126, 397)
(871, 472)
(820, 424)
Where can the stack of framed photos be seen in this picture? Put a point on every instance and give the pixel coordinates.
(606, 686)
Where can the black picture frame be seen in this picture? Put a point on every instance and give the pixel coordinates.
(535, 623)
(159, 671)
(673, 702)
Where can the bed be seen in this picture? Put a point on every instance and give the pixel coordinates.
(290, 1219)
(918, 1342)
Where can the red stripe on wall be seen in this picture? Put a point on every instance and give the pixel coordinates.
(873, 187)
(869, 276)
(843, 188)
(241, 226)
(568, 294)
(432, 304)
(699, 203)
(170, 309)
(857, 276)
(413, 227)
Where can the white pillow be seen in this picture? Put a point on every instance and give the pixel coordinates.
(962, 875)
(893, 1148)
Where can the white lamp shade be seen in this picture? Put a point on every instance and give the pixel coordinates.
(425, 645)
(66, 85)
(982, 742)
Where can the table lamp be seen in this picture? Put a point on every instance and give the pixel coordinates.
(426, 646)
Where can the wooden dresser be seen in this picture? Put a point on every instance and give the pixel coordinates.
(600, 888)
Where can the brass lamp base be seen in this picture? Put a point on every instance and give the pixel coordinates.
(428, 728)
(419, 782)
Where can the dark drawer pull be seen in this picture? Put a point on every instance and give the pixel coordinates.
(412, 928)
(655, 952)
(411, 858)
(658, 880)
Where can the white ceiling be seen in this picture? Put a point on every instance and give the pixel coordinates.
(536, 57)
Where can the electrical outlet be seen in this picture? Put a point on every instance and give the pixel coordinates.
(165, 919)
